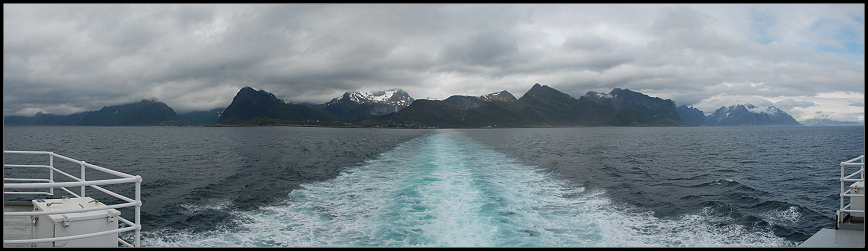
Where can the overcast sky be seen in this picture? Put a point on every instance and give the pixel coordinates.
(808, 60)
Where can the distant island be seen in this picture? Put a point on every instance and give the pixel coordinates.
(541, 106)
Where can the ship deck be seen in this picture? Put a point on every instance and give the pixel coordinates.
(17, 227)
(836, 238)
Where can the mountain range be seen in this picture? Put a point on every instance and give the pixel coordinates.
(145, 112)
(737, 115)
(539, 106)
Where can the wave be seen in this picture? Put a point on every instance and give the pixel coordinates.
(447, 191)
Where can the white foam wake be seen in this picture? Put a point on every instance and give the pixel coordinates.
(446, 190)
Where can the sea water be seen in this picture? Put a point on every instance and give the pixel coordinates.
(546, 187)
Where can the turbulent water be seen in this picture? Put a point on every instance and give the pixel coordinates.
(546, 187)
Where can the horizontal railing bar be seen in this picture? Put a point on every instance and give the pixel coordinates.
(96, 187)
(66, 158)
(853, 211)
(67, 211)
(23, 179)
(114, 194)
(11, 165)
(43, 193)
(103, 169)
(855, 159)
(851, 175)
(66, 238)
(852, 195)
(73, 184)
(28, 152)
(852, 164)
(106, 170)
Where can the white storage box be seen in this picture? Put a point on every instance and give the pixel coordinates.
(857, 203)
(69, 224)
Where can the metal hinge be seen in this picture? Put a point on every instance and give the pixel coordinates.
(65, 221)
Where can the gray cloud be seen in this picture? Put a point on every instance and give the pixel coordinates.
(68, 58)
(790, 104)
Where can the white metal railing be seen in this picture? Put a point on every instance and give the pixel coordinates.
(29, 183)
(845, 189)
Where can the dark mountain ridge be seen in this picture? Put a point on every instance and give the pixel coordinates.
(250, 104)
(539, 106)
(467, 102)
(146, 112)
(656, 110)
(692, 116)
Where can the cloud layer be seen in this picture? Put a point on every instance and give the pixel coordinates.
(807, 60)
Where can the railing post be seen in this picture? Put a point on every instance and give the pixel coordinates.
(51, 172)
(862, 169)
(82, 178)
(138, 211)
(841, 198)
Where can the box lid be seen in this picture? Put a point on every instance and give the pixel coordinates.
(73, 203)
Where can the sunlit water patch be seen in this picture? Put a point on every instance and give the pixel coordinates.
(446, 190)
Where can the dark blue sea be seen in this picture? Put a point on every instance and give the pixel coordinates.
(527, 187)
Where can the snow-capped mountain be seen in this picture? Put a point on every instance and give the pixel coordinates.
(771, 110)
(362, 103)
(504, 96)
(396, 97)
(749, 114)
(598, 95)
